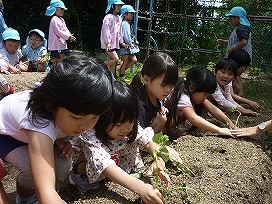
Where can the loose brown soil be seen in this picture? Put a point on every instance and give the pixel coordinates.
(228, 171)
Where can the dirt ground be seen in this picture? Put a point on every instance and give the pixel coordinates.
(228, 171)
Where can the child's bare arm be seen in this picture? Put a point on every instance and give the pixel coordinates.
(13, 69)
(147, 192)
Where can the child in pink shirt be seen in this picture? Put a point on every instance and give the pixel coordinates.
(58, 31)
(111, 33)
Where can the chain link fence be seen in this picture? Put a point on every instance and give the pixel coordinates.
(189, 32)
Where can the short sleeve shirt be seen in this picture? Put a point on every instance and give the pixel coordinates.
(184, 102)
(99, 157)
(14, 117)
(13, 59)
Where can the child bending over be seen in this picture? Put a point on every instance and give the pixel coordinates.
(190, 97)
(225, 71)
(242, 59)
(111, 149)
(35, 125)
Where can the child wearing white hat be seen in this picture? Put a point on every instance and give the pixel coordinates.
(35, 51)
(111, 33)
(128, 54)
(58, 31)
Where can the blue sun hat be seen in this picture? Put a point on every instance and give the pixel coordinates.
(11, 34)
(54, 4)
(111, 2)
(126, 9)
(44, 43)
(241, 12)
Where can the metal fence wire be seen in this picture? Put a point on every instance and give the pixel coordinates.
(188, 32)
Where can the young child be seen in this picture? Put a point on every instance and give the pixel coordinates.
(111, 33)
(3, 195)
(5, 87)
(225, 71)
(34, 123)
(58, 31)
(157, 79)
(241, 35)
(128, 54)
(189, 97)
(35, 51)
(242, 59)
(111, 149)
(10, 53)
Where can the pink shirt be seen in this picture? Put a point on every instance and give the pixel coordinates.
(111, 32)
(223, 97)
(58, 34)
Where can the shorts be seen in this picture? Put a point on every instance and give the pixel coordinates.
(55, 53)
(113, 50)
(7, 144)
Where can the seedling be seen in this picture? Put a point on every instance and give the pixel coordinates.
(237, 119)
(162, 151)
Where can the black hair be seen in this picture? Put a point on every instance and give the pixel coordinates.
(78, 83)
(155, 65)
(228, 65)
(112, 8)
(201, 78)
(124, 109)
(35, 34)
(241, 57)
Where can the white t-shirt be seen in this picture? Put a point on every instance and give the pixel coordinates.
(13, 59)
(14, 117)
(184, 102)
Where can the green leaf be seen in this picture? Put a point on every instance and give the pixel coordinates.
(163, 153)
(160, 139)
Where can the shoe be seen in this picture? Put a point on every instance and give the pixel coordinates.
(82, 182)
(37, 84)
(27, 200)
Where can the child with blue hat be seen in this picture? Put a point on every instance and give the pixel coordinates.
(241, 35)
(10, 52)
(240, 38)
(58, 31)
(111, 33)
(128, 54)
(35, 51)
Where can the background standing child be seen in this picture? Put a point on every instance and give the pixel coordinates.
(157, 79)
(35, 124)
(242, 59)
(35, 51)
(225, 71)
(241, 35)
(3, 195)
(10, 52)
(189, 97)
(58, 31)
(111, 149)
(111, 33)
(128, 54)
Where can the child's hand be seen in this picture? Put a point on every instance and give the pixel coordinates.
(149, 194)
(65, 147)
(131, 46)
(15, 70)
(225, 132)
(254, 105)
(162, 174)
(163, 110)
(72, 38)
(124, 45)
(221, 41)
(108, 46)
(4, 71)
